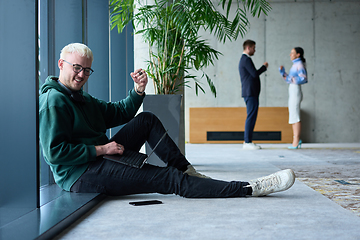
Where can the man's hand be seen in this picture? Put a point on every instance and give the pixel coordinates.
(110, 148)
(140, 79)
(266, 64)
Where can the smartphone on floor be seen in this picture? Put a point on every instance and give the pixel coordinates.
(142, 203)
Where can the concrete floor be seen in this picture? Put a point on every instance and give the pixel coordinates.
(316, 207)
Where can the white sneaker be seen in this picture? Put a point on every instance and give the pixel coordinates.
(191, 171)
(251, 146)
(277, 182)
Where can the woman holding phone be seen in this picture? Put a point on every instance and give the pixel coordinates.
(295, 78)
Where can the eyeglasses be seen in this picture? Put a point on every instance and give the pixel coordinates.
(78, 68)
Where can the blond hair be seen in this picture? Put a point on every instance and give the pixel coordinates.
(81, 49)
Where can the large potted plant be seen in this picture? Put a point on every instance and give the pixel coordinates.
(172, 30)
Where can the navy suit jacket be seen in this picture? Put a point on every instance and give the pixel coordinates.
(250, 80)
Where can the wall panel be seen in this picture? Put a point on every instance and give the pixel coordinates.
(18, 95)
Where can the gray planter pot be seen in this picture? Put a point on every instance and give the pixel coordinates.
(170, 110)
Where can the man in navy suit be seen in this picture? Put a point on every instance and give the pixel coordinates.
(250, 82)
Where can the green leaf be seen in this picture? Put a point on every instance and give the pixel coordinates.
(172, 31)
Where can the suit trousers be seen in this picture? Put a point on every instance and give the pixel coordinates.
(252, 107)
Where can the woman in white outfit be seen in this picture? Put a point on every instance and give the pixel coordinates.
(296, 77)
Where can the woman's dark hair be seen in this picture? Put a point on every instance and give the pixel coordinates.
(301, 52)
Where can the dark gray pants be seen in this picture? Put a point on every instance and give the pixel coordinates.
(116, 179)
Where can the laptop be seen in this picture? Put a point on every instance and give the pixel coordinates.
(133, 158)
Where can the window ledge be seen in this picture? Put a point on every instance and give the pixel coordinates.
(52, 217)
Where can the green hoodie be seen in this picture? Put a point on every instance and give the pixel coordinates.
(69, 130)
